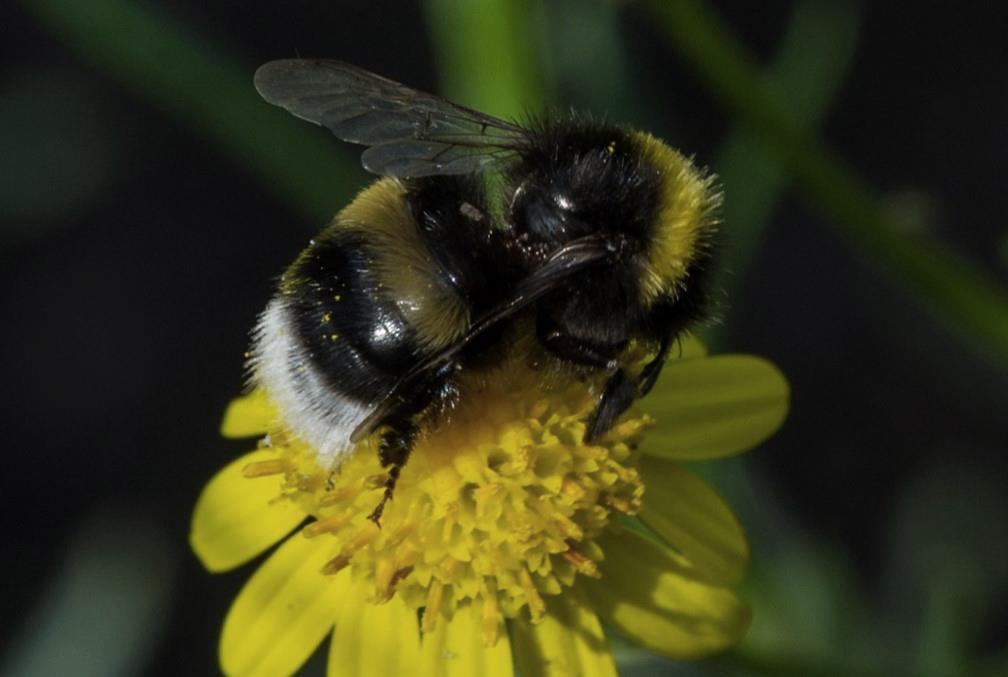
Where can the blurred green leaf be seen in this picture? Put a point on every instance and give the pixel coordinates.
(107, 605)
(146, 49)
(803, 597)
(60, 150)
(995, 665)
(810, 614)
(806, 75)
(968, 300)
(634, 661)
(947, 565)
(601, 78)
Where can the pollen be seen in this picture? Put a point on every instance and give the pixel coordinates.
(499, 505)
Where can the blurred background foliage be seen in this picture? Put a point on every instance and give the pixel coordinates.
(149, 197)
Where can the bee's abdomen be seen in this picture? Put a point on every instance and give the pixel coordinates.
(389, 282)
(351, 329)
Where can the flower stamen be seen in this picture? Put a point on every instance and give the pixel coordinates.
(338, 495)
(335, 565)
(276, 466)
(326, 525)
(582, 563)
(387, 576)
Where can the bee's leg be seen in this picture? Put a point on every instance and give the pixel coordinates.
(571, 349)
(652, 370)
(400, 429)
(620, 392)
(393, 452)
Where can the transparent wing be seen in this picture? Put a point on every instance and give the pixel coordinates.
(409, 133)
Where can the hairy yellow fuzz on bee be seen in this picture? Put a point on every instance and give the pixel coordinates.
(499, 506)
(686, 219)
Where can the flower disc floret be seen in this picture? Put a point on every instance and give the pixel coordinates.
(499, 505)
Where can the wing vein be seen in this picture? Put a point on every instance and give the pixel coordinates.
(407, 132)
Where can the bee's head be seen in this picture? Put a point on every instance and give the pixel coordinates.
(584, 178)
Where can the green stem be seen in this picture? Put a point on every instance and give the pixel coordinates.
(488, 59)
(487, 54)
(967, 299)
(146, 49)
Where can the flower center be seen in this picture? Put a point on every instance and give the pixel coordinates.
(498, 506)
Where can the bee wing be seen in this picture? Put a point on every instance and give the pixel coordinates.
(566, 262)
(409, 133)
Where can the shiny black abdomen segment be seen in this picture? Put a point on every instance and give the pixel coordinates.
(355, 334)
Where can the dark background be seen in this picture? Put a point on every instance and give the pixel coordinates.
(135, 252)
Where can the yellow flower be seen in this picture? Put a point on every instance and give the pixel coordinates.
(508, 541)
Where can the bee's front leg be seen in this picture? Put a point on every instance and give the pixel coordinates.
(619, 393)
(620, 390)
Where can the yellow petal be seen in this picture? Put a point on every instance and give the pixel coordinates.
(715, 407)
(455, 648)
(284, 611)
(692, 518)
(374, 639)
(568, 641)
(237, 518)
(248, 416)
(653, 597)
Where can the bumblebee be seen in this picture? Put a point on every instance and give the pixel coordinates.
(590, 238)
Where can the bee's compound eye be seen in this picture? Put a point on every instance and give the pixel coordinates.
(542, 221)
(538, 216)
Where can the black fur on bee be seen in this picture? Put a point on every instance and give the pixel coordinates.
(594, 237)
